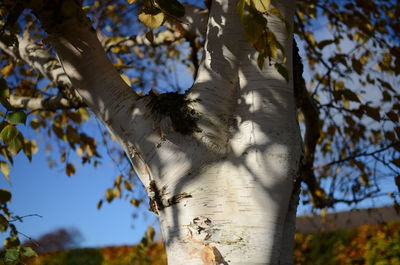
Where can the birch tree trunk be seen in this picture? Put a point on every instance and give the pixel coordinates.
(223, 192)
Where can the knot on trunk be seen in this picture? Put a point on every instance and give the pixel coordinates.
(177, 108)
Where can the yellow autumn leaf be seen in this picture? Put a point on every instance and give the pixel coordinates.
(5, 169)
(320, 193)
(324, 212)
(135, 202)
(152, 20)
(6, 71)
(261, 5)
(126, 79)
(79, 151)
(84, 113)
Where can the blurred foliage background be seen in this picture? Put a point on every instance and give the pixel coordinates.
(367, 244)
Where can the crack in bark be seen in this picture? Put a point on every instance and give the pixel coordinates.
(158, 202)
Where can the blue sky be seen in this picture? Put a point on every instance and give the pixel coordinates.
(71, 202)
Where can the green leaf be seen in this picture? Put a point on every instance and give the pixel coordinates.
(11, 242)
(170, 7)
(16, 144)
(3, 223)
(11, 256)
(17, 117)
(152, 20)
(5, 196)
(8, 133)
(261, 45)
(6, 153)
(28, 252)
(275, 46)
(283, 71)
(240, 8)
(5, 169)
(252, 29)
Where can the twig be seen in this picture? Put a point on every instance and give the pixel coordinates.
(352, 157)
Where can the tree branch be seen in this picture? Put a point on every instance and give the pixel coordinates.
(51, 103)
(161, 38)
(193, 24)
(11, 51)
(313, 126)
(40, 59)
(84, 60)
(352, 157)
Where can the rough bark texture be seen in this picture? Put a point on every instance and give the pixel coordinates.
(223, 192)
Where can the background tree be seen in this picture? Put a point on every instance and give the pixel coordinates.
(59, 239)
(348, 105)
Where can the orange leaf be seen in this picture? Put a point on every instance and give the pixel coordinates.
(6, 71)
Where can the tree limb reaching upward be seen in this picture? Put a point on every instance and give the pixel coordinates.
(313, 127)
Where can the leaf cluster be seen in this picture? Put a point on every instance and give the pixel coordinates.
(13, 251)
(254, 16)
(154, 12)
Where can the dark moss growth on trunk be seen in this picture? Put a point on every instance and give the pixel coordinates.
(176, 107)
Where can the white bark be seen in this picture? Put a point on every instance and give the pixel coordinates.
(239, 212)
(223, 194)
(40, 59)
